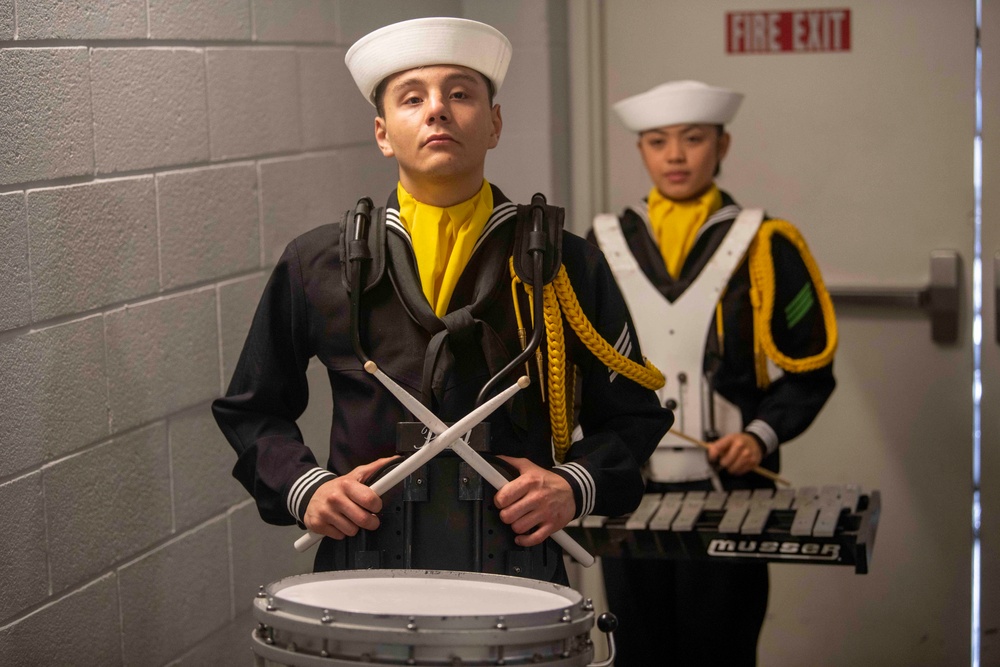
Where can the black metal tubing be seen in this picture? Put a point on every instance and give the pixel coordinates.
(359, 257)
(537, 249)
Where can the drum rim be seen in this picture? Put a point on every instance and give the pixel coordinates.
(575, 616)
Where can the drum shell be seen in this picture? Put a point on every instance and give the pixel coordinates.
(299, 633)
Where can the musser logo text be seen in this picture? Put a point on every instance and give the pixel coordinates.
(774, 549)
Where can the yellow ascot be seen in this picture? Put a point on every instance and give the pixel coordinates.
(676, 224)
(443, 239)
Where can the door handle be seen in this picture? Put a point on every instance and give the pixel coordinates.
(940, 299)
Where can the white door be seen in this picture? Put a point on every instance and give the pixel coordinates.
(869, 152)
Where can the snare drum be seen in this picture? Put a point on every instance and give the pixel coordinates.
(418, 617)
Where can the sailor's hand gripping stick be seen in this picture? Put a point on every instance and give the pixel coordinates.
(447, 437)
(493, 476)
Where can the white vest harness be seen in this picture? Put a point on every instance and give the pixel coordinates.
(674, 337)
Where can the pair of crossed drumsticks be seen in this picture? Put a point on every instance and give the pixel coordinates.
(454, 436)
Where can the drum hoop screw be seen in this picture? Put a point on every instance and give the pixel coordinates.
(326, 617)
(501, 625)
(566, 618)
(412, 624)
(588, 605)
(270, 604)
(261, 593)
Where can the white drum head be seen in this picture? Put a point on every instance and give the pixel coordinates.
(421, 617)
(413, 596)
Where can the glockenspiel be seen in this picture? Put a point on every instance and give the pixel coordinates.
(829, 525)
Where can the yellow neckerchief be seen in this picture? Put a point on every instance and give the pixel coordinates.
(676, 224)
(443, 240)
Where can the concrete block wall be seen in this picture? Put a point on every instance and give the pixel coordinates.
(155, 158)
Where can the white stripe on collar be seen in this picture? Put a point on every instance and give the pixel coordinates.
(724, 213)
(500, 214)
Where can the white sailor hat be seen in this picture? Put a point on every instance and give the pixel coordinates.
(428, 41)
(678, 102)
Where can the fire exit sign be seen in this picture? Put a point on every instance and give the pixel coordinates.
(800, 31)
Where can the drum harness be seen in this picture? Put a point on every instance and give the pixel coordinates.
(536, 260)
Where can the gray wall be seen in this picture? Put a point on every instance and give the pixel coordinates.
(155, 157)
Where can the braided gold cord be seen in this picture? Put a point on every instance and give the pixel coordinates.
(762, 291)
(560, 300)
(647, 376)
(557, 374)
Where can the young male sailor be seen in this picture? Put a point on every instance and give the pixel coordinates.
(440, 315)
(699, 264)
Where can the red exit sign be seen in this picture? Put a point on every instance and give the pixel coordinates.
(802, 31)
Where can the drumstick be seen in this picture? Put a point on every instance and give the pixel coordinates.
(763, 472)
(431, 449)
(493, 476)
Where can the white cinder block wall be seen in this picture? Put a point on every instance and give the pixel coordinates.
(155, 157)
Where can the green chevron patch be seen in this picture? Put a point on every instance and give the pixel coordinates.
(799, 306)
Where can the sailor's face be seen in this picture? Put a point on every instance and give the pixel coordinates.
(438, 122)
(682, 159)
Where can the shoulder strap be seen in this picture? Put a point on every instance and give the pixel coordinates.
(376, 246)
(549, 238)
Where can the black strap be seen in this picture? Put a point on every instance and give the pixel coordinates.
(527, 239)
(376, 248)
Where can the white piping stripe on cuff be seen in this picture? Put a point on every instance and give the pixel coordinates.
(763, 430)
(587, 486)
(579, 482)
(299, 488)
(295, 493)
